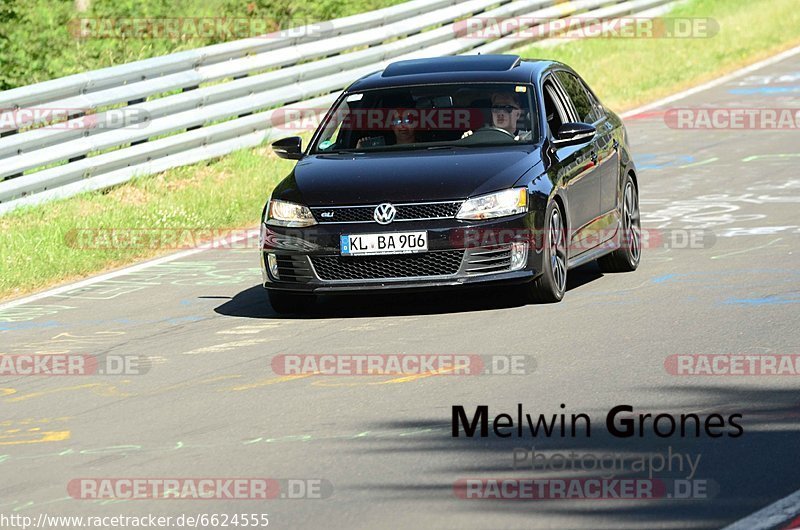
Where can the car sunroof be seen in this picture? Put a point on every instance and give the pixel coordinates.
(468, 63)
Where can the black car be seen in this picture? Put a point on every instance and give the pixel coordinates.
(453, 171)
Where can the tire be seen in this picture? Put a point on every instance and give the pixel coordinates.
(286, 303)
(627, 257)
(550, 286)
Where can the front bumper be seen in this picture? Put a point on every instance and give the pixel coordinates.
(459, 254)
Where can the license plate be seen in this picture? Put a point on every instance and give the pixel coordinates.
(385, 243)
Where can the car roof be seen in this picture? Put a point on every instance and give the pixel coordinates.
(455, 69)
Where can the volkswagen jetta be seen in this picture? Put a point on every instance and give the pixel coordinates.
(453, 171)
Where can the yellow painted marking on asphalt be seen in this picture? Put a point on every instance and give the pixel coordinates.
(102, 389)
(395, 380)
(415, 377)
(108, 390)
(29, 421)
(326, 383)
(270, 381)
(7, 391)
(39, 437)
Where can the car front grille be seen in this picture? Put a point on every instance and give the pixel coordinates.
(425, 264)
(294, 269)
(486, 260)
(405, 212)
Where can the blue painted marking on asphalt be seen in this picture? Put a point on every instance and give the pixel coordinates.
(766, 300)
(16, 326)
(765, 90)
(662, 279)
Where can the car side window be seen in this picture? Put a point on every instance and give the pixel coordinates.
(585, 106)
(554, 114)
(598, 111)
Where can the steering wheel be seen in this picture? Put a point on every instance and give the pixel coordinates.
(488, 133)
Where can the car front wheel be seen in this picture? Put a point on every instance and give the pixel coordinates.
(549, 287)
(626, 258)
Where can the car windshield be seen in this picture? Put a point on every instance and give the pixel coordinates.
(429, 117)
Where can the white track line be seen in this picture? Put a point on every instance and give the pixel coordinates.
(172, 257)
(122, 272)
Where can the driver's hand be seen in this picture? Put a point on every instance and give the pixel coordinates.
(468, 133)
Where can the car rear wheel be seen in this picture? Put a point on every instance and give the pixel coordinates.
(290, 303)
(626, 258)
(549, 287)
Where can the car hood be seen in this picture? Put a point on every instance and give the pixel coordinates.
(323, 180)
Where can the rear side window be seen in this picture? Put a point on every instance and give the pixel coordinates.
(586, 107)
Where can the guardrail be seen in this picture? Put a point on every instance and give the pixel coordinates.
(204, 103)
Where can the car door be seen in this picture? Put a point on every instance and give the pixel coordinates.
(608, 149)
(573, 162)
(605, 153)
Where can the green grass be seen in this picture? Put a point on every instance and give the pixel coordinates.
(628, 72)
(230, 192)
(38, 246)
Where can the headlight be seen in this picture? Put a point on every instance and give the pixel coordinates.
(498, 204)
(282, 213)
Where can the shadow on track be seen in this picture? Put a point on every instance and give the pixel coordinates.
(743, 474)
(253, 302)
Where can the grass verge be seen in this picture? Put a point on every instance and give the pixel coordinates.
(38, 247)
(230, 192)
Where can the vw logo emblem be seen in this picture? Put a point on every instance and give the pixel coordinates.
(384, 213)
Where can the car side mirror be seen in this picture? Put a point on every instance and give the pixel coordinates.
(574, 134)
(290, 148)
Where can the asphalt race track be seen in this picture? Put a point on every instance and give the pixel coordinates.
(721, 277)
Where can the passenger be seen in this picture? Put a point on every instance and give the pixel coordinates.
(402, 128)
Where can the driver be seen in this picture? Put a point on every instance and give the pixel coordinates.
(399, 110)
(506, 111)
